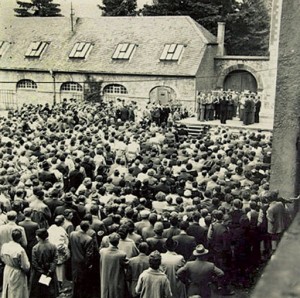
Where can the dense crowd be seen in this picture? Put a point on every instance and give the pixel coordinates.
(225, 105)
(124, 203)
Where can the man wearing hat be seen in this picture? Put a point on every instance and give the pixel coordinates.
(199, 274)
(153, 283)
(170, 263)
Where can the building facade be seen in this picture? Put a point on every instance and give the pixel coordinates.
(166, 59)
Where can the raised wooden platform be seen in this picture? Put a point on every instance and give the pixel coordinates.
(194, 126)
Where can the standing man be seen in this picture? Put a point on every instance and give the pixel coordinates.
(30, 228)
(82, 254)
(44, 261)
(257, 102)
(277, 217)
(112, 269)
(223, 109)
(153, 283)
(136, 266)
(199, 274)
(16, 266)
(6, 230)
(171, 262)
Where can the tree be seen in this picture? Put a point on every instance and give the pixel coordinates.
(118, 7)
(247, 21)
(39, 8)
(248, 31)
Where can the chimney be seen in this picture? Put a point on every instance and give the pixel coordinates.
(221, 38)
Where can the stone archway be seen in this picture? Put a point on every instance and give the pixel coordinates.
(240, 68)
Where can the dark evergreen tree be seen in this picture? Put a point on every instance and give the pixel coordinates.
(247, 22)
(248, 30)
(39, 8)
(118, 7)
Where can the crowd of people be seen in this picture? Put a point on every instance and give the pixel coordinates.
(131, 207)
(224, 105)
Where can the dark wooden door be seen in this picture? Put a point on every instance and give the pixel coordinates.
(240, 80)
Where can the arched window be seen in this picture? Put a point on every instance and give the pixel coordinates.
(26, 84)
(115, 89)
(71, 86)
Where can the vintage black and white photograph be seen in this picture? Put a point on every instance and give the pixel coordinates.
(149, 148)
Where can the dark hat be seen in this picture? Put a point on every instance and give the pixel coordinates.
(170, 244)
(200, 250)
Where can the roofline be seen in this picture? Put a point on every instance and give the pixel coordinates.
(94, 72)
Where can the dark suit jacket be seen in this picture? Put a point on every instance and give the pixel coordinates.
(186, 245)
(30, 228)
(156, 243)
(198, 274)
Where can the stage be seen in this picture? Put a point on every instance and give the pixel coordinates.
(265, 124)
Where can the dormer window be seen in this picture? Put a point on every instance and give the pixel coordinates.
(172, 52)
(124, 51)
(36, 49)
(3, 47)
(81, 50)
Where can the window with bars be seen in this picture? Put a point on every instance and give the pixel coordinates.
(80, 50)
(172, 52)
(26, 84)
(71, 86)
(36, 49)
(3, 47)
(124, 51)
(115, 89)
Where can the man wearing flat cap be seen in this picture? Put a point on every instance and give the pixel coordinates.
(198, 274)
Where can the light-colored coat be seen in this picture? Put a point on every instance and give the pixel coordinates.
(171, 262)
(276, 215)
(16, 264)
(112, 272)
(153, 284)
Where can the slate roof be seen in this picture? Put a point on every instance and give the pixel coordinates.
(149, 33)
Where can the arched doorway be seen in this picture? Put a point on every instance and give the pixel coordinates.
(162, 95)
(240, 80)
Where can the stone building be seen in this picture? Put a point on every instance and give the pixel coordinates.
(165, 59)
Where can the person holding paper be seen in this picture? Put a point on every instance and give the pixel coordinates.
(16, 266)
(44, 261)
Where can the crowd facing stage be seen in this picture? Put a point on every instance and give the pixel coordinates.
(131, 207)
(224, 105)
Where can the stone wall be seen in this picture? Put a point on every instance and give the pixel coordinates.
(258, 66)
(286, 143)
(138, 87)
